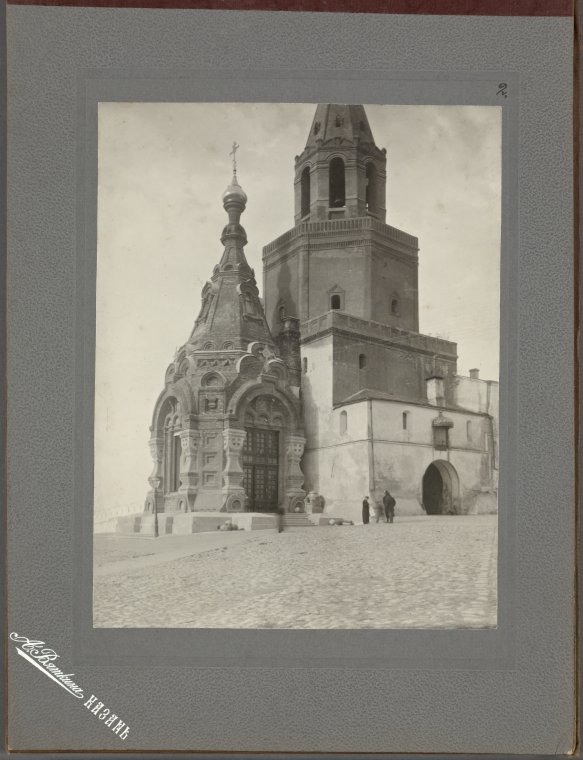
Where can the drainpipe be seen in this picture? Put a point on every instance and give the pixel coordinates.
(370, 435)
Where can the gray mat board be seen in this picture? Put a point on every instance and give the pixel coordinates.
(513, 701)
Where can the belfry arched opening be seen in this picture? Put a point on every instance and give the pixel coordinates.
(441, 489)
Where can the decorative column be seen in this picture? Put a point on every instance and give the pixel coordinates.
(155, 496)
(233, 493)
(189, 440)
(294, 477)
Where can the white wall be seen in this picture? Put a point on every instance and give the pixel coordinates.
(477, 395)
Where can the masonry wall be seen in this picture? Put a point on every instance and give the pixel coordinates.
(391, 276)
(348, 269)
(477, 395)
(281, 285)
(387, 369)
(401, 455)
(344, 457)
(334, 464)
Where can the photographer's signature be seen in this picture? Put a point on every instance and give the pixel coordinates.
(43, 658)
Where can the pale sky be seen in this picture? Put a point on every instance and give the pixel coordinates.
(162, 169)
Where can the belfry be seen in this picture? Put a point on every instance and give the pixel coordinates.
(226, 433)
(383, 405)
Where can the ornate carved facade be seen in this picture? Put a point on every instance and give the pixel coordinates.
(229, 396)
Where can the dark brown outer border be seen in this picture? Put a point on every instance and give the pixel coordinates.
(418, 7)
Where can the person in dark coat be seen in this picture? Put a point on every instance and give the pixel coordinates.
(365, 511)
(389, 506)
(280, 516)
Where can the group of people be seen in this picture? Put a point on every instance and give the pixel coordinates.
(388, 509)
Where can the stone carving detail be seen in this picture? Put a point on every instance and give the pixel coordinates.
(294, 477)
(232, 491)
(155, 497)
(211, 404)
(189, 440)
(266, 410)
(156, 451)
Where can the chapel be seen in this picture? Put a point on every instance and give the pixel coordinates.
(227, 432)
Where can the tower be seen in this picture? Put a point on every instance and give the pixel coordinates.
(340, 255)
(379, 399)
(341, 173)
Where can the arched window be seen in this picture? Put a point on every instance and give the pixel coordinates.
(440, 438)
(305, 364)
(172, 451)
(335, 301)
(175, 485)
(281, 313)
(305, 192)
(343, 422)
(361, 361)
(371, 188)
(405, 420)
(469, 430)
(211, 379)
(337, 192)
(395, 311)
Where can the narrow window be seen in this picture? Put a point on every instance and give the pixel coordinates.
(361, 361)
(335, 301)
(395, 307)
(337, 192)
(305, 192)
(343, 422)
(440, 438)
(405, 420)
(486, 442)
(281, 313)
(177, 453)
(371, 186)
(305, 364)
(469, 430)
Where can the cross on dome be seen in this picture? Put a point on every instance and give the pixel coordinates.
(234, 154)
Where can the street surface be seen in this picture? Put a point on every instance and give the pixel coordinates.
(419, 572)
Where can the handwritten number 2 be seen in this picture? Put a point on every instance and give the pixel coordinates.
(503, 89)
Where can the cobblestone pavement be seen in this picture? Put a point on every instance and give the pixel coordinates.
(429, 572)
(114, 553)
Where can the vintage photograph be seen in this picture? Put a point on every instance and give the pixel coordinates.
(297, 366)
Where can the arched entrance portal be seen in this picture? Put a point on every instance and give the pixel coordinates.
(441, 489)
(261, 469)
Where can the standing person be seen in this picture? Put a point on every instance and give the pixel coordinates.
(365, 511)
(280, 516)
(389, 505)
(386, 501)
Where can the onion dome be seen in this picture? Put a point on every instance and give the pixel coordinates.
(234, 194)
